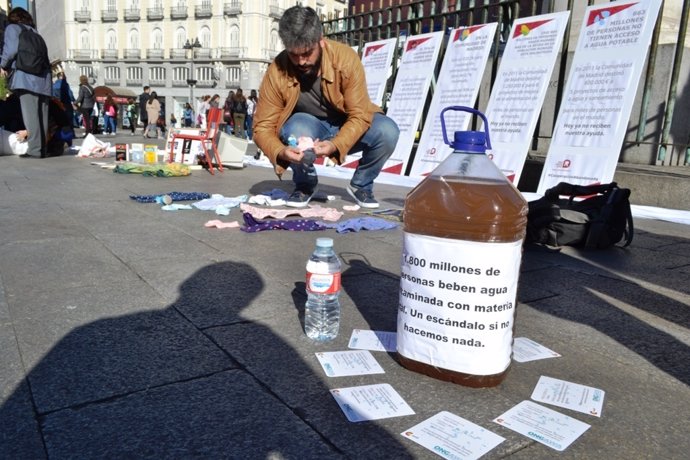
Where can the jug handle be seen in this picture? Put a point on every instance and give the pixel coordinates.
(461, 108)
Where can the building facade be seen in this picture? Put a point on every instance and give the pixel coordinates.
(217, 45)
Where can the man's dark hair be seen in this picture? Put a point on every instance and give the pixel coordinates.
(299, 27)
(145, 88)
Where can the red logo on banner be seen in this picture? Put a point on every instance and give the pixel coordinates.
(412, 44)
(599, 16)
(565, 164)
(372, 49)
(462, 34)
(525, 28)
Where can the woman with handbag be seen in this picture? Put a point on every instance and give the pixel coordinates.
(86, 101)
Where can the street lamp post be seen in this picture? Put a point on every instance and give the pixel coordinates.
(191, 81)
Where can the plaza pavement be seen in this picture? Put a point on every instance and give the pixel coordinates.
(131, 332)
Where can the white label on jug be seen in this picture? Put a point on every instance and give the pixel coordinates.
(457, 303)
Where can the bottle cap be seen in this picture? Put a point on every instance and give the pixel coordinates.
(324, 242)
(470, 141)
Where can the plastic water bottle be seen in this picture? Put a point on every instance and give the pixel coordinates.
(322, 310)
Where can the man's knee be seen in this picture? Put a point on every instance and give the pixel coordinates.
(298, 125)
(386, 130)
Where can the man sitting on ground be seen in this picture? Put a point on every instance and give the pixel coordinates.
(316, 88)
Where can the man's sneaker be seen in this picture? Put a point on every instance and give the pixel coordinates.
(299, 199)
(364, 198)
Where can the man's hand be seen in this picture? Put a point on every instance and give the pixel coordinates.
(291, 154)
(324, 148)
(3, 73)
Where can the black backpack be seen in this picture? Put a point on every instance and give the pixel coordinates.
(239, 107)
(602, 219)
(32, 53)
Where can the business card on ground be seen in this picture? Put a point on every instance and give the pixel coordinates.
(371, 402)
(574, 396)
(450, 436)
(542, 424)
(373, 340)
(351, 362)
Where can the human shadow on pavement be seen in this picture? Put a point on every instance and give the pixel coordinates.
(585, 290)
(194, 379)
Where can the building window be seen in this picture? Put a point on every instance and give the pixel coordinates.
(134, 39)
(84, 42)
(112, 73)
(157, 39)
(111, 40)
(180, 37)
(135, 74)
(180, 73)
(232, 74)
(206, 73)
(234, 36)
(86, 70)
(111, 5)
(205, 37)
(157, 73)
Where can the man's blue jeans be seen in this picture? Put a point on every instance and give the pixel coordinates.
(377, 145)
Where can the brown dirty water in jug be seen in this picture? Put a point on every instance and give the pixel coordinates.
(463, 232)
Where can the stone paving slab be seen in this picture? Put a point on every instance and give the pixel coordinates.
(202, 418)
(130, 332)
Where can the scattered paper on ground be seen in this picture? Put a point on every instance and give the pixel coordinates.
(525, 350)
(542, 424)
(450, 436)
(373, 340)
(342, 363)
(371, 402)
(569, 395)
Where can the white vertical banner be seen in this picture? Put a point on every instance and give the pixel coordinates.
(458, 84)
(409, 93)
(520, 88)
(599, 93)
(376, 59)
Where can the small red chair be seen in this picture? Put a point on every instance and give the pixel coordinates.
(209, 135)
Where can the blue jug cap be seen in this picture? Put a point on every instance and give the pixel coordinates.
(470, 141)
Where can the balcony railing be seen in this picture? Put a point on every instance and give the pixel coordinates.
(270, 54)
(108, 15)
(82, 15)
(178, 53)
(178, 12)
(112, 81)
(108, 54)
(232, 84)
(154, 53)
(205, 10)
(134, 82)
(87, 54)
(132, 53)
(155, 14)
(132, 14)
(232, 8)
(230, 53)
(203, 53)
(179, 83)
(157, 82)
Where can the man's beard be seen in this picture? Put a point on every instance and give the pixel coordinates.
(310, 71)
